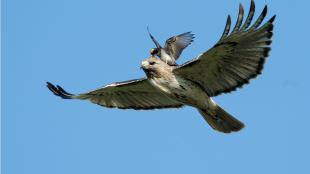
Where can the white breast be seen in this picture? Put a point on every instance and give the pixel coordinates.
(161, 83)
(165, 57)
(181, 89)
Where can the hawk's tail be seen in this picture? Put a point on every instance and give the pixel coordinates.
(221, 121)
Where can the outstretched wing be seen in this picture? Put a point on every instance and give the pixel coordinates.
(235, 59)
(133, 94)
(176, 44)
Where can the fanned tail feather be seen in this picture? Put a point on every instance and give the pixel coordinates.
(221, 121)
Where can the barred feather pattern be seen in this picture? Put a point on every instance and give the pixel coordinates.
(235, 59)
(133, 94)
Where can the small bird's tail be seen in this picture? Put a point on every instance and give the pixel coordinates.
(220, 120)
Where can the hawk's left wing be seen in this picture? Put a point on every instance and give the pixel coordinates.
(235, 59)
(176, 44)
(133, 94)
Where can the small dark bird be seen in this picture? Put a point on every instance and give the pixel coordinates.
(173, 47)
(236, 58)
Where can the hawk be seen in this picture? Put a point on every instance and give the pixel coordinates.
(236, 58)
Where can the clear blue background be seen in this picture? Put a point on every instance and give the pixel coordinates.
(83, 45)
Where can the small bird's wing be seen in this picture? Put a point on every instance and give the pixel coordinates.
(133, 94)
(153, 39)
(235, 59)
(176, 44)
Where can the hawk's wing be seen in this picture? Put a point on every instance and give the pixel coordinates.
(235, 59)
(176, 44)
(133, 94)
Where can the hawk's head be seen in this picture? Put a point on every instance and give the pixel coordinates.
(153, 66)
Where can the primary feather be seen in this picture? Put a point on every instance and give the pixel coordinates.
(235, 59)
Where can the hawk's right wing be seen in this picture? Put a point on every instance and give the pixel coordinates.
(133, 94)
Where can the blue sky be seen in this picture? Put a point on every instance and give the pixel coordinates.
(83, 45)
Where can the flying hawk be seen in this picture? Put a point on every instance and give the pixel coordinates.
(236, 58)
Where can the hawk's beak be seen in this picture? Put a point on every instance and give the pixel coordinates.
(144, 64)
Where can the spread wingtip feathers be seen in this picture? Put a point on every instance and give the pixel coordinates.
(58, 91)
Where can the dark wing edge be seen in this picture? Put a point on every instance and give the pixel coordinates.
(132, 94)
(252, 43)
(153, 39)
(59, 91)
(176, 44)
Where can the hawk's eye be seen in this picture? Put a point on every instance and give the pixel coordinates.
(151, 62)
